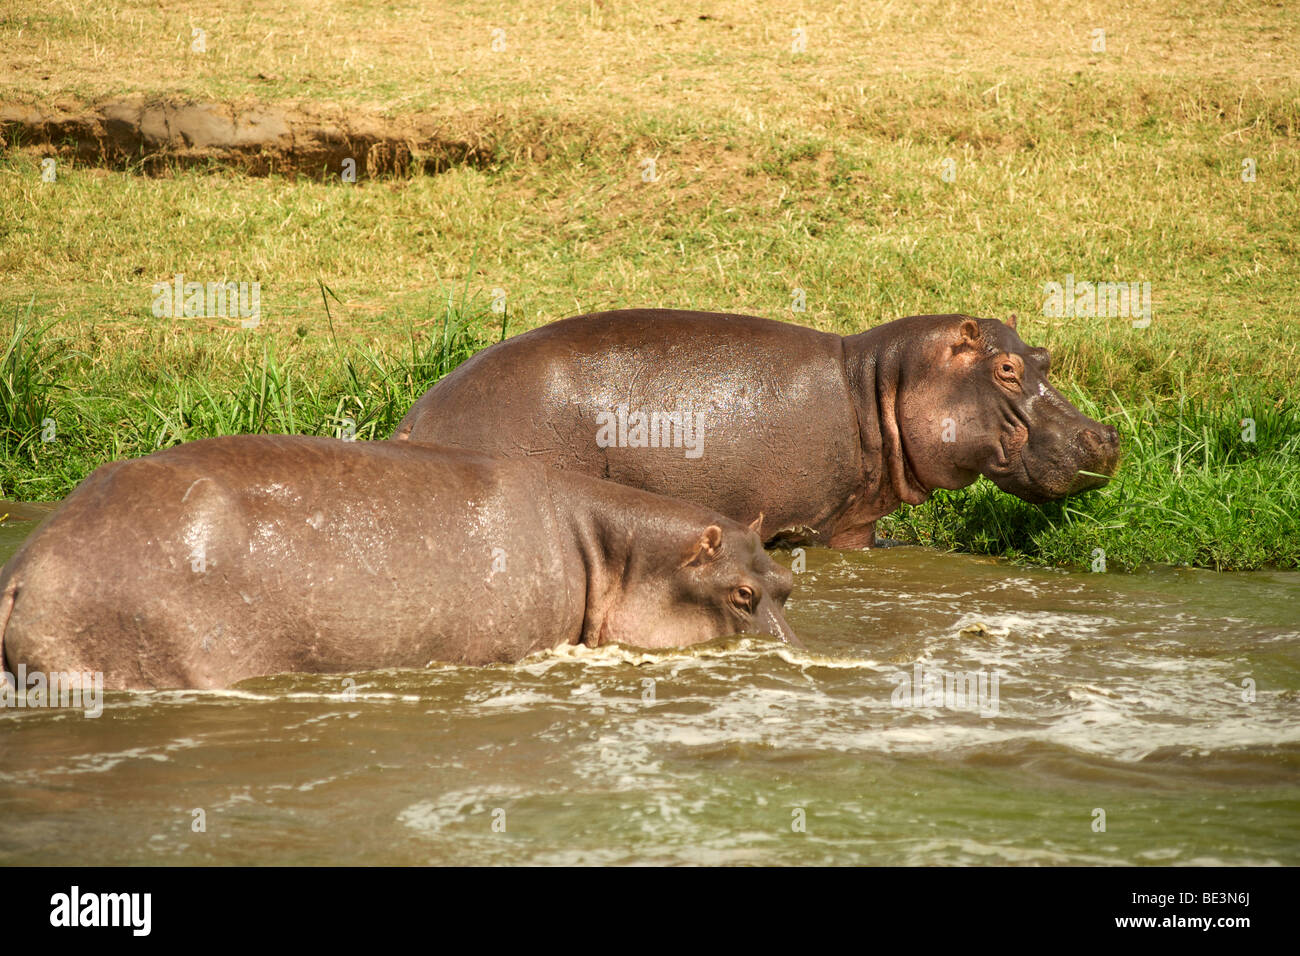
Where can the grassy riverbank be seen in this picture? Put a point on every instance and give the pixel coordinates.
(1206, 485)
(933, 159)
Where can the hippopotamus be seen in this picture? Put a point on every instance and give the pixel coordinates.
(822, 433)
(227, 558)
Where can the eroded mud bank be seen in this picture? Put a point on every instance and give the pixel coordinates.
(317, 140)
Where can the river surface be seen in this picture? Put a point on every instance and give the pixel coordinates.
(1149, 718)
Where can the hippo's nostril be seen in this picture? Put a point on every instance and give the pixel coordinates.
(1104, 437)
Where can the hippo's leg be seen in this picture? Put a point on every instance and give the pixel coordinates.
(788, 538)
(854, 537)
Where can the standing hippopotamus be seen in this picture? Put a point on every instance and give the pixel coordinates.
(822, 433)
(211, 562)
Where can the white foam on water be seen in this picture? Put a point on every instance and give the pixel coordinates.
(109, 760)
(429, 818)
(125, 699)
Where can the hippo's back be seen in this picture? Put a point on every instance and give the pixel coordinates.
(229, 557)
(738, 413)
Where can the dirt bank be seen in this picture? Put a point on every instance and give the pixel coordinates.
(259, 139)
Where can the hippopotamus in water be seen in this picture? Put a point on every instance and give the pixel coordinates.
(211, 562)
(822, 433)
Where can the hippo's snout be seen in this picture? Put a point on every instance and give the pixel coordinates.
(771, 621)
(1101, 444)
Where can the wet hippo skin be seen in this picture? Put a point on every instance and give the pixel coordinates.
(822, 433)
(223, 559)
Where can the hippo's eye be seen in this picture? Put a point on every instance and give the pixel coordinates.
(1008, 373)
(743, 596)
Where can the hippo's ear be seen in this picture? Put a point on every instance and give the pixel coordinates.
(705, 548)
(756, 525)
(969, 338)
(1012, 321)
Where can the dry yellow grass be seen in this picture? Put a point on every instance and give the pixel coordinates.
(776, 169)
(731, 56)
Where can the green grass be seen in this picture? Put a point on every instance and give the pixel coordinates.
(29, 370)
(1190, 490)
(140, 400)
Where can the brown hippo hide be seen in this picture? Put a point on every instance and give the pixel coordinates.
(233, 557)
(822, 433)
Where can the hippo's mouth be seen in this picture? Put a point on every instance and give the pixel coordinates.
(1009, 470)
(1040, 479)
(1011, 442)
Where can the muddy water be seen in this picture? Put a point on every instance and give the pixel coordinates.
(1126, 694)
